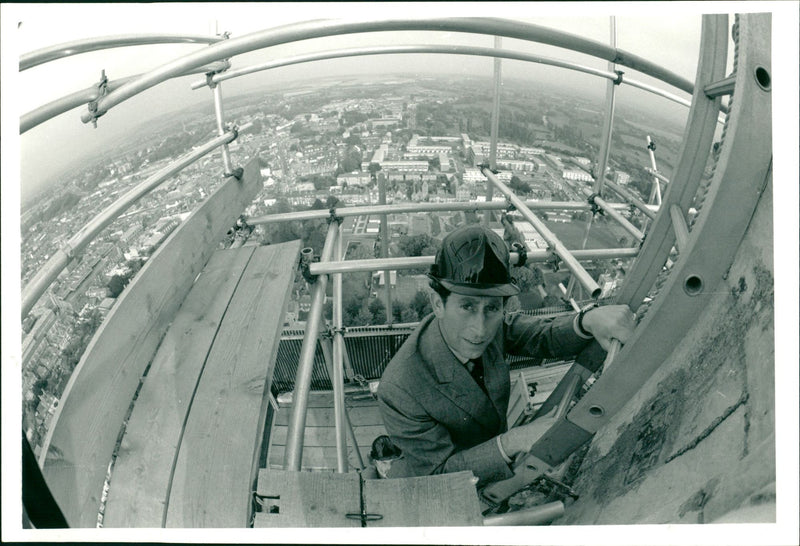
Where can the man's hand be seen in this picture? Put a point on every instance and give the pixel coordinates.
(609, 322)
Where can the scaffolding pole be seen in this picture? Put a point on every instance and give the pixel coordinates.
(605, 146)
(442, 49)
(644, 208)
(387, 278)
(80, 98)
(621, 220)
(401, 208)
(552, 241)
(67, 49)
(318, 29)
(608, 121)
(655, 193)
(338, 364)
(533, 256)
(498, 43)
(226, 154)
(293, 456)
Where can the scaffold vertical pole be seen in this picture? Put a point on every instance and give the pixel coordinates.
(385, 248)
(498, 43)
(294, 444)
(337, 378)
(655, 193)
(608, 121)
(605, 143)
(226, 154)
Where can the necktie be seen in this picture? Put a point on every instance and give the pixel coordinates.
(477, 373)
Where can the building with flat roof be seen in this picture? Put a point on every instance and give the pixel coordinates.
(405, 166)
(516, 165)
(576, 174)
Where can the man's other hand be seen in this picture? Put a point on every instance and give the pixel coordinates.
(609, 322)
(520, 439)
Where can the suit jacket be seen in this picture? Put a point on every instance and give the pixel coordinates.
(436, 413)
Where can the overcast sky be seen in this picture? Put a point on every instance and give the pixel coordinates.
(666, 33)
(667, 36)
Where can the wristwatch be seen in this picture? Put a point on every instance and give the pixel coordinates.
(579, 321)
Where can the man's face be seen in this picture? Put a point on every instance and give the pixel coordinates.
(468, 323)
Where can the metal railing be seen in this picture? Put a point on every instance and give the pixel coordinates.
(444, 49)
(67, 49)
(317, 29)
(79, 98)
(221, 49)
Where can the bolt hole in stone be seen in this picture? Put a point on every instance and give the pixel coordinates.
(596, 411)
(763, 78)
(693, 285)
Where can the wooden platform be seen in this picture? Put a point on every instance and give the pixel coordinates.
(313, 499)
(95, 403)
(319, 439)
(188, 458)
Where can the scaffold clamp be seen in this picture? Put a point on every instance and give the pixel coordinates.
(102, 88)
(595, 207)
(486, 166)
(554, 259)
(332, 217)
(519, 248)
(241, 223)
(233, 128)
(619, 73)
(237, 173)
(652, 145)
(68, 250)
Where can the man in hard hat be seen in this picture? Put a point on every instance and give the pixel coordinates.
(444, 395)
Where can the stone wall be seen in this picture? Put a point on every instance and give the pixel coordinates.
(697, 443)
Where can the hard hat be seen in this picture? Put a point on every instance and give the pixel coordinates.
(474, 261)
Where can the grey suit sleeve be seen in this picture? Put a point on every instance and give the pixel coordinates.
(541, 337)
(426, 444)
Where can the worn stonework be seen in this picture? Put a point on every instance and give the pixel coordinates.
(697, 443)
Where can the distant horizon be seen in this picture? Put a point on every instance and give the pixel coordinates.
(27, 198)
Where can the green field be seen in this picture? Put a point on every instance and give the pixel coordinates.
(600, 236)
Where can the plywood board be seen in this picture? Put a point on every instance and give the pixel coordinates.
(428, 501)
(307, 499)
(81, 439)
(143, 470)
(214, 472)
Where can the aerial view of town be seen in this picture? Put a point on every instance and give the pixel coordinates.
(337, 143)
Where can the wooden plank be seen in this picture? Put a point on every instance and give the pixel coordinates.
(77, 450)
(323, 417)
(318, 457)
(306, 499)
(441, 500)
(140, 482)
(326, 436)
(215, 468)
